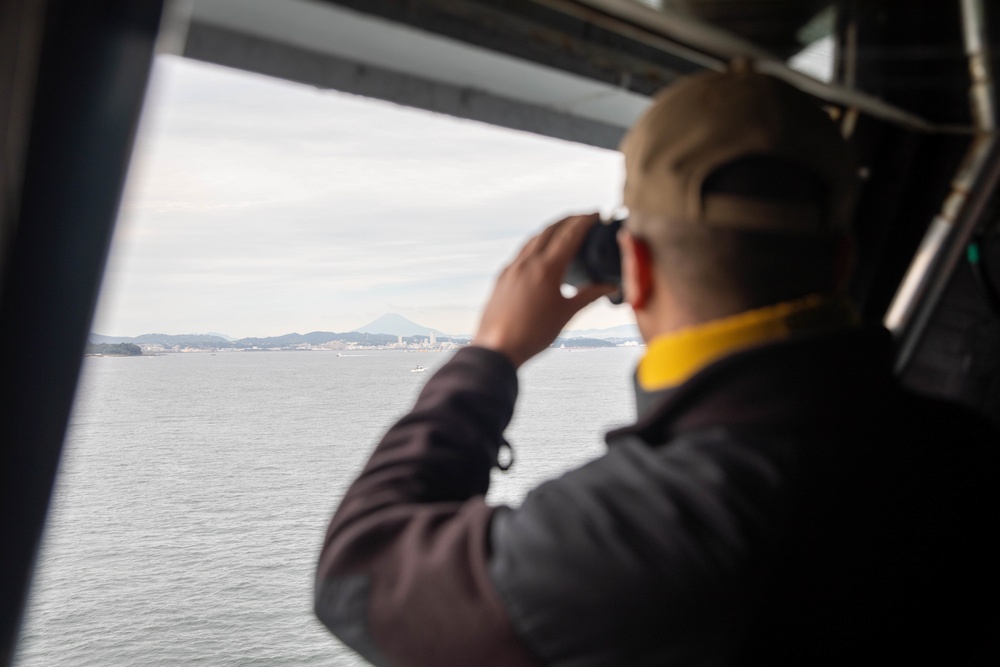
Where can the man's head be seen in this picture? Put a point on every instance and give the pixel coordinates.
(740, 192)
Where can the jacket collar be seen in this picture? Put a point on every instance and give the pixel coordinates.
(672, 358)
(789, 383)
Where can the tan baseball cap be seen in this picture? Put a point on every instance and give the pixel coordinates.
(711, 119)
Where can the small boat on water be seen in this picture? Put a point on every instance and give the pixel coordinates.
(418, 369)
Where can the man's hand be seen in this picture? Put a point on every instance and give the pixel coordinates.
(527, 310)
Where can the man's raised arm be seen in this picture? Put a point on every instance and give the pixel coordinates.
(403, 576)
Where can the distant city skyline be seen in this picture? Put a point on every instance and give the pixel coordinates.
(258, 207)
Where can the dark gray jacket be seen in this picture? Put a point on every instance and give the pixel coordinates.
(788, 505)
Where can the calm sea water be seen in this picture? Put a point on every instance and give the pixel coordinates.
(195, 490)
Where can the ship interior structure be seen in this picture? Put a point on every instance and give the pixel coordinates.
(911, 84)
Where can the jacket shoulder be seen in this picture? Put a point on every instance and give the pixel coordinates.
(603, 563)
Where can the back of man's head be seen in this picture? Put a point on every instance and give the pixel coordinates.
(743, 189)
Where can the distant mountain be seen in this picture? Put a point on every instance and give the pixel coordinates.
(621, 331)
(315, 338)
(397, 325)
(98, 339)
(162, 339)
(177, 339)
(276, 341)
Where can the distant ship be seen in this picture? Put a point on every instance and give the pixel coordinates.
(418, 369)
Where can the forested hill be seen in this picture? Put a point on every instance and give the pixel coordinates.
(114, 349)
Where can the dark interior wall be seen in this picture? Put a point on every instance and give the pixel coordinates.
(910, 54)
(83, 106)
(959, 356)
(771, 24)
(21, 23)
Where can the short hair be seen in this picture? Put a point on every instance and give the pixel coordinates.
(721, 271)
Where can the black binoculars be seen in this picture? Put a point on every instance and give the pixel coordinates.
(598, 260)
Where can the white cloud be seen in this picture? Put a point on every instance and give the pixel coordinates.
(256, 207)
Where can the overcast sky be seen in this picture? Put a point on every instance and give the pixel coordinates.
(260, 207)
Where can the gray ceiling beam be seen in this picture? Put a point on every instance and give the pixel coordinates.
(227, 47)
(513, 63)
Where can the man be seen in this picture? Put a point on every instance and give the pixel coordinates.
(780, 500)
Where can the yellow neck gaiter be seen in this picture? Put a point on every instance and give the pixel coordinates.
(673, 358)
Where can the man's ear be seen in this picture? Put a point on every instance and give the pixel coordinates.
(637, 270)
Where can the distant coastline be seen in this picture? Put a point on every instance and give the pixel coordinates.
(398, 333)
(317, 340)
(151, 345)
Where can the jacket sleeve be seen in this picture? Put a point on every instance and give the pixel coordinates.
(403, 576)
